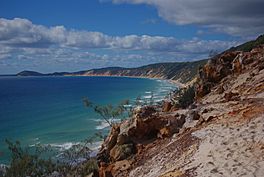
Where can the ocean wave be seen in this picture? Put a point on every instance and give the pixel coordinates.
(127, 105)
(104, 124)
(63, 146)
(147, 96)
(158, 100)
(35, 144)
(80, 158)
(96, 145)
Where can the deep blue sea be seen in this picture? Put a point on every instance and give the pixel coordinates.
(50, 110)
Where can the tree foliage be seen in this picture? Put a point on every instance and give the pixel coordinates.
(184, 97)
(33, 162)
(109, 112)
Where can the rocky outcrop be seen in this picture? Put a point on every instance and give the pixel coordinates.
(127, 138)
(226, 64)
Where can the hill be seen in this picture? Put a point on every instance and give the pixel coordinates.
(180, 71)
(29, 73)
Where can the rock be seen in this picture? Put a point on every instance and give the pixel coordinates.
(167, 106)
(173, 126)
(220, 89)
(230, 96)
(112, 139)
(114, 169)
(194, 115)
(261, 66)
(213, 72)
(202, 89)
(193, 106)
(146, 112)
(105, 170)
(210, 118)
(121, 152)
(109, 143)
(174, 108)
(205, 111)
(164, 132)
(123, 139)
(121, 166)
(237, 64)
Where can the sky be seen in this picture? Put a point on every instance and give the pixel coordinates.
(72, 35)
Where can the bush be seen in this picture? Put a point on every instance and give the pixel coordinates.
(28, 162)
(184, 97)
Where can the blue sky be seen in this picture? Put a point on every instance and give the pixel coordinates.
(72, 35)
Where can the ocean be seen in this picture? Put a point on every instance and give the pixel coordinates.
(50, 110)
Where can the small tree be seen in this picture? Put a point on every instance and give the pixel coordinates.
(184, 97)
(110, 112)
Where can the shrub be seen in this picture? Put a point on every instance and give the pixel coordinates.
(184, 97)
(26, 163)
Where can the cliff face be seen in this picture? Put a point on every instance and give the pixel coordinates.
(221, 134)
(180, 71)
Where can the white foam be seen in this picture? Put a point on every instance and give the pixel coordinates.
(104, 124)
(158, 100)
(127, 105)
(35, 144)
(147, 96)
(63, 146)
(96, 145)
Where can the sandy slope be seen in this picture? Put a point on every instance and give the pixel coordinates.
(228, 140)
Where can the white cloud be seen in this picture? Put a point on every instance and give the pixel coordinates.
(22, 33)
(236, 17)
(21, 40)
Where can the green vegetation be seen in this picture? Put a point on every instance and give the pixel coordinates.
(26, 163)
(248, 46)
(181, 71)
(33, 161)
(184, 97)
(109, 112)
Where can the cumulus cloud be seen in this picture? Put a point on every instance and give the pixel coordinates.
(236, 17)
(22, 40)
(24, 34)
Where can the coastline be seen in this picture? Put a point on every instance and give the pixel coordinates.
(176, 82)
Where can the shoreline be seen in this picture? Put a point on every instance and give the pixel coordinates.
(177, 83)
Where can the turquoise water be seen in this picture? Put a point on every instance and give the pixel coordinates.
(49, 110)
